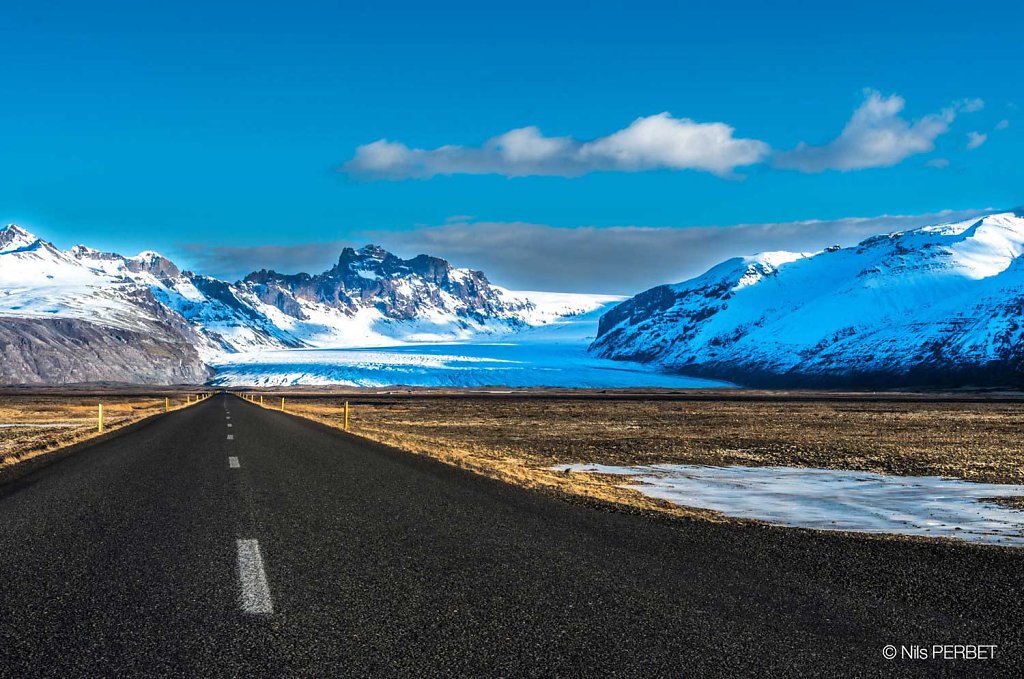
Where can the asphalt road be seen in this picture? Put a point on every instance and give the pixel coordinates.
(320, 554)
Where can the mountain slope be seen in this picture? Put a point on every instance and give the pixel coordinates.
(940, 305)
(63, 322)
(70, 350)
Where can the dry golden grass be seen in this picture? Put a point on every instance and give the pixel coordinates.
(34, 425)
(519, 439)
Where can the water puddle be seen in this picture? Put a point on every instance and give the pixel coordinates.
(828, 499)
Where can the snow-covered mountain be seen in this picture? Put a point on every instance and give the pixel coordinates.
(940, 305)
(64, 321)
(85, 315)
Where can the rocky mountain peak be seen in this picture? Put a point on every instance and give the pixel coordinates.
(373, 263)
(374, 252)
(400, 289)
(153, 263)
(13, 237)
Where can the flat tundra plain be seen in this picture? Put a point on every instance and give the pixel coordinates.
(524, 438)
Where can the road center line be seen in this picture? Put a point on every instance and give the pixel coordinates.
(233, 462)
(231, 437)
(255, 594)
(229, 424)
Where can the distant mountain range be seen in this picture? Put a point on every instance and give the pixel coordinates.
(937, 306)
(941, 305)
(81, 315)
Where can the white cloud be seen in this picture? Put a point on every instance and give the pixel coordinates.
(971, 105)
(1002, 124)
(650, 143)
(875, 136)
(939, 163)
(975, 139)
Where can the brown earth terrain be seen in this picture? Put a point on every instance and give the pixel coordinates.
(524, 437)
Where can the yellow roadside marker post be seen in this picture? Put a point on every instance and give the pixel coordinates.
(346, 415)
(261, 400)
(167, 405)
(282, 404)
(99, 420)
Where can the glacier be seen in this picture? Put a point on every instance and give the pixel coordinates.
(550, 355)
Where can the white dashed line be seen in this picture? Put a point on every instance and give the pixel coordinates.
(230, 425)
(231, 437)
(255, 595)
(233, 462)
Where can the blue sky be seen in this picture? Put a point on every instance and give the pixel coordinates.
(225, 134)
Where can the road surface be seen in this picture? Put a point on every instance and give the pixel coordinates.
(229, 540)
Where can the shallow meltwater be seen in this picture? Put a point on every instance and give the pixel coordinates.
(828, 499)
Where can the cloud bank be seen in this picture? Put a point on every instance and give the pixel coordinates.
(651, 143)
(614, 260)
(233, 262)
(629, 259)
